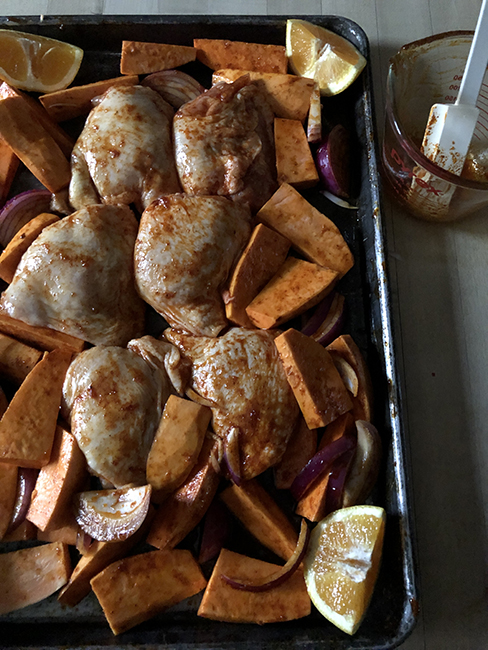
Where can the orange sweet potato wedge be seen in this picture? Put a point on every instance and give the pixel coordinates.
(43, 338)
(287, 94)
(238, 55)
(57, 482)
(77, 100)
(264, 254)
(312, 504)
(9, 163)
(20, 242)
(32, 574)
(294, 161)
(313, 377)
(143, 58)
(31, 141)
(184, 509)
(297, 286)
(221, 602)
(8, 492)
(65, 533)
(261, 516)
(16, 359)
(344, 346)
(28, 425)
(309, 231)
(300, 449)
(136, 588)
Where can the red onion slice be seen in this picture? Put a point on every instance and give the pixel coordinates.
(174, 86)
(26, 482)
(21, 209)
(232, 456)
(282, 574)
(319, 315)
(337, 481)
(333, 161)
(215, 531)
(320, 463)
(332, 326)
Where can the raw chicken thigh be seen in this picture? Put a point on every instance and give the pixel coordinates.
(77, 277)
(114, 398)
(184, 251)
(241, 373)
(125, 152)
(224, 144)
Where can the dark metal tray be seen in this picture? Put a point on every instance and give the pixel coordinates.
(394, 607)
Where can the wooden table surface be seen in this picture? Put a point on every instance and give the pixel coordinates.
(439, 280)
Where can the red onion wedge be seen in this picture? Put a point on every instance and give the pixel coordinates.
(320, 463)
(278, 578)
(319, 315)
(26, 482)
(365, 465)
(174, 86)
(347, 373)
(333, 324)
(232, 456)
(21, 209)
(337, 481)
(333, 159)
(215, 531)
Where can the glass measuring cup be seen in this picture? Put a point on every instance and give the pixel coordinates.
(423, 73)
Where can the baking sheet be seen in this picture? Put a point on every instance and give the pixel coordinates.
(394, 607)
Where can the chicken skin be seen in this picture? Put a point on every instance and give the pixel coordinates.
(242, 375)
(114, 398)
(77, 277)
(125, 152)
(185, 248)
(224, 144)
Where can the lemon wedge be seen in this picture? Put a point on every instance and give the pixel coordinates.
(342, 564)
(318, 53)
(37, 63)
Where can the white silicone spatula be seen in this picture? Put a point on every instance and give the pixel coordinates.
(450, 127)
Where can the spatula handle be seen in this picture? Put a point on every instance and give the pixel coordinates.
(477, 61)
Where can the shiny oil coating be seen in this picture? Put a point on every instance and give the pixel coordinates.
(224, 144)
(242, 374)
(125, 152)
(77, 277)
(114, 401)
(184, 251)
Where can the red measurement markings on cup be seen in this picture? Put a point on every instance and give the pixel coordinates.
(409, 173)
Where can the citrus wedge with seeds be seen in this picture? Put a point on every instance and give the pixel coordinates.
(342, 563)
(318, 53)
(37, 63)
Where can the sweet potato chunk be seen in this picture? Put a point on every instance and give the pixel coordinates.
(237, 55)
(312, 504)
(9, 163)
(32, 574)
(77, 100)
(65, 533)
(8, 492)
(221, 602)
(309, 231)
(57, 482)
(21, 533)
(300, 449)
(294, 161)
(142, 58)
(16, 359)
(344, 346)
(20, 242)
(297, 286)
(265, 252)
(288, 94)
(177, 444)
(136, 588)
(40, 337)
(31, 141)
(28, 425)
(313, 377)
(185, 508)
(261, 516)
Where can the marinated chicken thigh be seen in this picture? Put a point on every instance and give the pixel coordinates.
(77, 277)
(114, 399)
(242, 375)
(125, 152)
(185, 248)
(224, 144)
